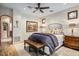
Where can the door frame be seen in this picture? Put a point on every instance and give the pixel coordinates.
(11, 20)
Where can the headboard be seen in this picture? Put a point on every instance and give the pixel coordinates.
(56, 28)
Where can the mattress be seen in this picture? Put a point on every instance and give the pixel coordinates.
(60, 41)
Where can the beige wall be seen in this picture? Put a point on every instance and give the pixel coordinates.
(20, 32)
(61, 17)
(6, 11)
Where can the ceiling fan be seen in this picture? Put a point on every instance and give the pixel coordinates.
(39, 8)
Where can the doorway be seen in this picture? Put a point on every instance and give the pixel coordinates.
(6, 30)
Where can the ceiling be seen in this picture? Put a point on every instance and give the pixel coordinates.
(22, 7)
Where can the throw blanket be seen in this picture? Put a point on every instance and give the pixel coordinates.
(47, 39)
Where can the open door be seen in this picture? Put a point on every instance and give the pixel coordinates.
(6, 30)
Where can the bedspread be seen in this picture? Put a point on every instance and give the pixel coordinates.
(47, 39)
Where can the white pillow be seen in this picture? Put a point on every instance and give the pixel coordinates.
(60, 37)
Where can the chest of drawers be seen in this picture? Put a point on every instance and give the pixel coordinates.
(71, 42)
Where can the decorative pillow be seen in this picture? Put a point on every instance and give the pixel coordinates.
(57, 31)
(56, 28)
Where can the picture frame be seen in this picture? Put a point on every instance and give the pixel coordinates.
(31, 26)
(73, 14)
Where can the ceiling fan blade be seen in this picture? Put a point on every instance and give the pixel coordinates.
(44, 7)
(29, 7)
(41, 11)
(35, 11)
(38, 5)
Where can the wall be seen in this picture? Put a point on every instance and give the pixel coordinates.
(20, 34)
(6, 11)
(61, 17)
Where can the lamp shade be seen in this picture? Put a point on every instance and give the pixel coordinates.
(72, 25)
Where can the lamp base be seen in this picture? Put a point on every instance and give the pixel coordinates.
(72, 32)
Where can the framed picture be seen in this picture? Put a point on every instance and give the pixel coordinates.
(31, 26)
(5, 26)
(73, 14)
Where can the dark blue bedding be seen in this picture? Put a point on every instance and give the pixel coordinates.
(47, 39)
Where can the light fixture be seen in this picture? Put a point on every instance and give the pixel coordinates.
(43, 20)
(24, 8)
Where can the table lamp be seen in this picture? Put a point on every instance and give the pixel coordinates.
(72, 26)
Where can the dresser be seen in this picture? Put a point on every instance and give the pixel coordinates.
(71, 42)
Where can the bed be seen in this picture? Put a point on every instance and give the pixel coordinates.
(56, 30)
(60, 39)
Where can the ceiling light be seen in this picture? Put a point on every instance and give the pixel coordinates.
(24, 8)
